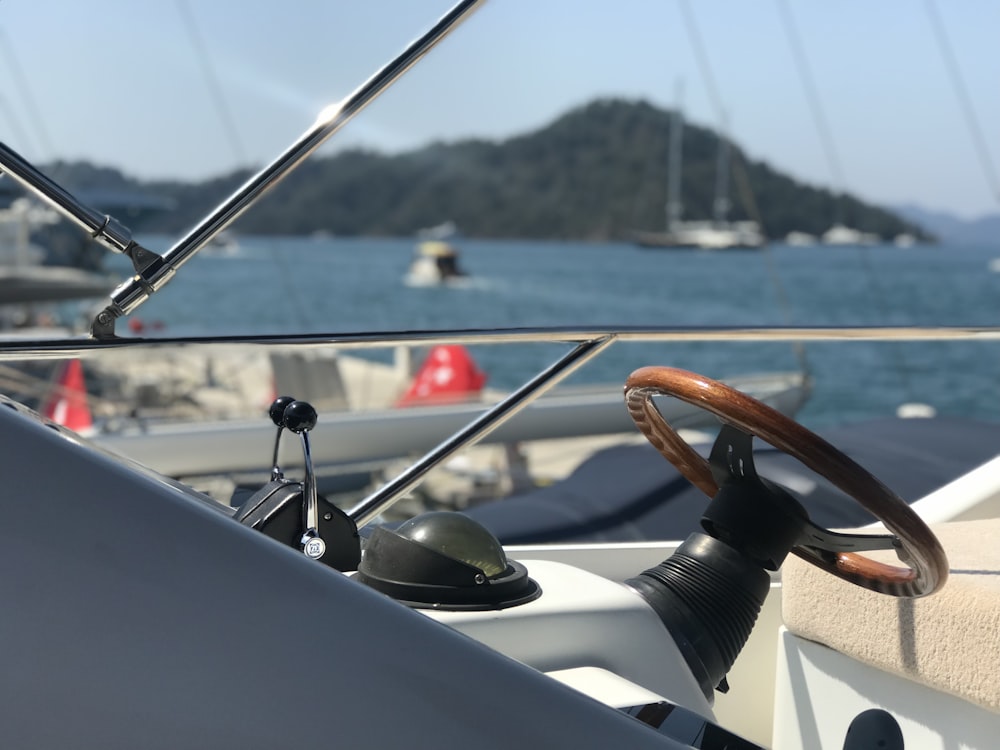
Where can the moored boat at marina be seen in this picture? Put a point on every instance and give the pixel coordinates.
(717, 233)
(704, 235)
(29, 274)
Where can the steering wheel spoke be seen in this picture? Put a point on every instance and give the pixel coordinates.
(835, 542)
(731, 458)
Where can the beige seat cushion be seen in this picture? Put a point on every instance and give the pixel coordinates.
(949, 641)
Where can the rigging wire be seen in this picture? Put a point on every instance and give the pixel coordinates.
(704, 67)
(236, 143)
(801, 62)
(674, 208)
(37, 123)
(964, 100)
(815, 107)
(15, 123)
(740, 173)
(24, 91)
(212, 80)
(20, 133)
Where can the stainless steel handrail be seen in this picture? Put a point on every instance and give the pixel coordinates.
(152, 270)
(65, 348)
(102, 228)
(128, 296)
(589, 343)
(375, 503)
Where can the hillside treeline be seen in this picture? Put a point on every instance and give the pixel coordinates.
(596, 173)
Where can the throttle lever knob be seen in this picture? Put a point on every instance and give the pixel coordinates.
(277, 410)
(300, 416)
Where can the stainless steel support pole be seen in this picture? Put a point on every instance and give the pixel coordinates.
(128, 296)
(385, 496)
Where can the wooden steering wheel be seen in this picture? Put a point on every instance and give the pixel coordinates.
(915, 543)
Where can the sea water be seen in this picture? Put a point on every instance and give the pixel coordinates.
(337, 285)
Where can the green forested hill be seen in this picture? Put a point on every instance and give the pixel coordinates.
(597, 173)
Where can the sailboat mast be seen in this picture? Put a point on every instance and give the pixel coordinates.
(674, 152)
(720, 206)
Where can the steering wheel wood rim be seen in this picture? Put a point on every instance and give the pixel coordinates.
(928, 564)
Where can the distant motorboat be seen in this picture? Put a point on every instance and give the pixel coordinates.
(223, 245)
(434, 263)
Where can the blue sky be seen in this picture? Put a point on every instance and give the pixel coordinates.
(121, 82)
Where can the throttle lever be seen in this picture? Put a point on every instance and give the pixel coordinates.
(300, 417)
(277, 415)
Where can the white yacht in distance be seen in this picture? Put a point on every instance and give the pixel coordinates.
(706, 235)
(800, 239)
(716, 234)
(840, 234)
(25, 276)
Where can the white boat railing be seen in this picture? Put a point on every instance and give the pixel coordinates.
(346, 439)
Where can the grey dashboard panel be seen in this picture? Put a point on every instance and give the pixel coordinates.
(136, 615)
